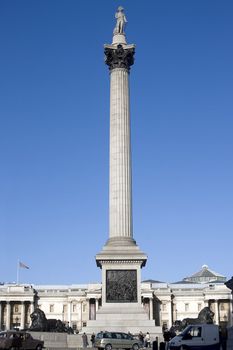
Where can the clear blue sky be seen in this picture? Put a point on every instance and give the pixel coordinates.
(54, 135)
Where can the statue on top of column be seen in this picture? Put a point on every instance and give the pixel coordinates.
(121, 20)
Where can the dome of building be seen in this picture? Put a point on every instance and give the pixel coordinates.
(205, 275)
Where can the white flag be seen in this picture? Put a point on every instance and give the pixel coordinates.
(23, 265)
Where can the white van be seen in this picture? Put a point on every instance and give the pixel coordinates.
(198, 337)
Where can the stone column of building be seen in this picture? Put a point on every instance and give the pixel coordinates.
(160, 315)
(69, 312)
(216, 311)
(81, 313)
(151, 308)
(22, 320)
(8, 315)
(88, 309)
(32, 307)
(169, 310)
(96, 304)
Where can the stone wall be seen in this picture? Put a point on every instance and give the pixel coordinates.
(59, 340)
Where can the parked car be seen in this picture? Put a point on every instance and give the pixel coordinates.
(19, 340)
(116, 340)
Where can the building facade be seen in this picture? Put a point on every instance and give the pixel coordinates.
(77, 304)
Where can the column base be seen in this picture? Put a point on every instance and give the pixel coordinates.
(121, 249)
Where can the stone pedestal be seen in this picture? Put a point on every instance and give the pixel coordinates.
(119, 39)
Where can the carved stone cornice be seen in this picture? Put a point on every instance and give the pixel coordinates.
(121, 262)
(119, 57)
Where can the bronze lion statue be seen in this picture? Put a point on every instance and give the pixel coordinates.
(41, 324)
(39, 321)
(205, 316)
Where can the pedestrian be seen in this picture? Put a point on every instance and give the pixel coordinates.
(147, 340)
(172, 331)
(85, 340)
(141, 338)
(93, 339)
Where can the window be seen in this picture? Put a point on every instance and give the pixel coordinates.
(195, 331)
(16, 308)
(186, 307)
(84, 324)
(51, 308)
(84, 307)
(74, 307)
(164, 307)
(64, 309)
(124, 336)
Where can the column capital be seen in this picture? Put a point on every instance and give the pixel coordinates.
(119, 57)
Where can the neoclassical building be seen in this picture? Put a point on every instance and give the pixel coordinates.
(76, 304)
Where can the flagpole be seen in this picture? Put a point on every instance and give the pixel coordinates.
(18, 271)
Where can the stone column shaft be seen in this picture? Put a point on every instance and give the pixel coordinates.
(151, 309)
(69, 312)
(22, 321)
(8, 315)
(81, 314)
(120, 156)
(216, 311)
(160, 316)
(96, 304)
(88, 309)
(32, 307)
(169, 309)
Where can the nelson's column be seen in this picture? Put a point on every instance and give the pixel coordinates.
(121, 259)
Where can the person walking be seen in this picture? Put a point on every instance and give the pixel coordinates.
(93, 339)
(141, 338)
(147, 340)
(85, 340)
